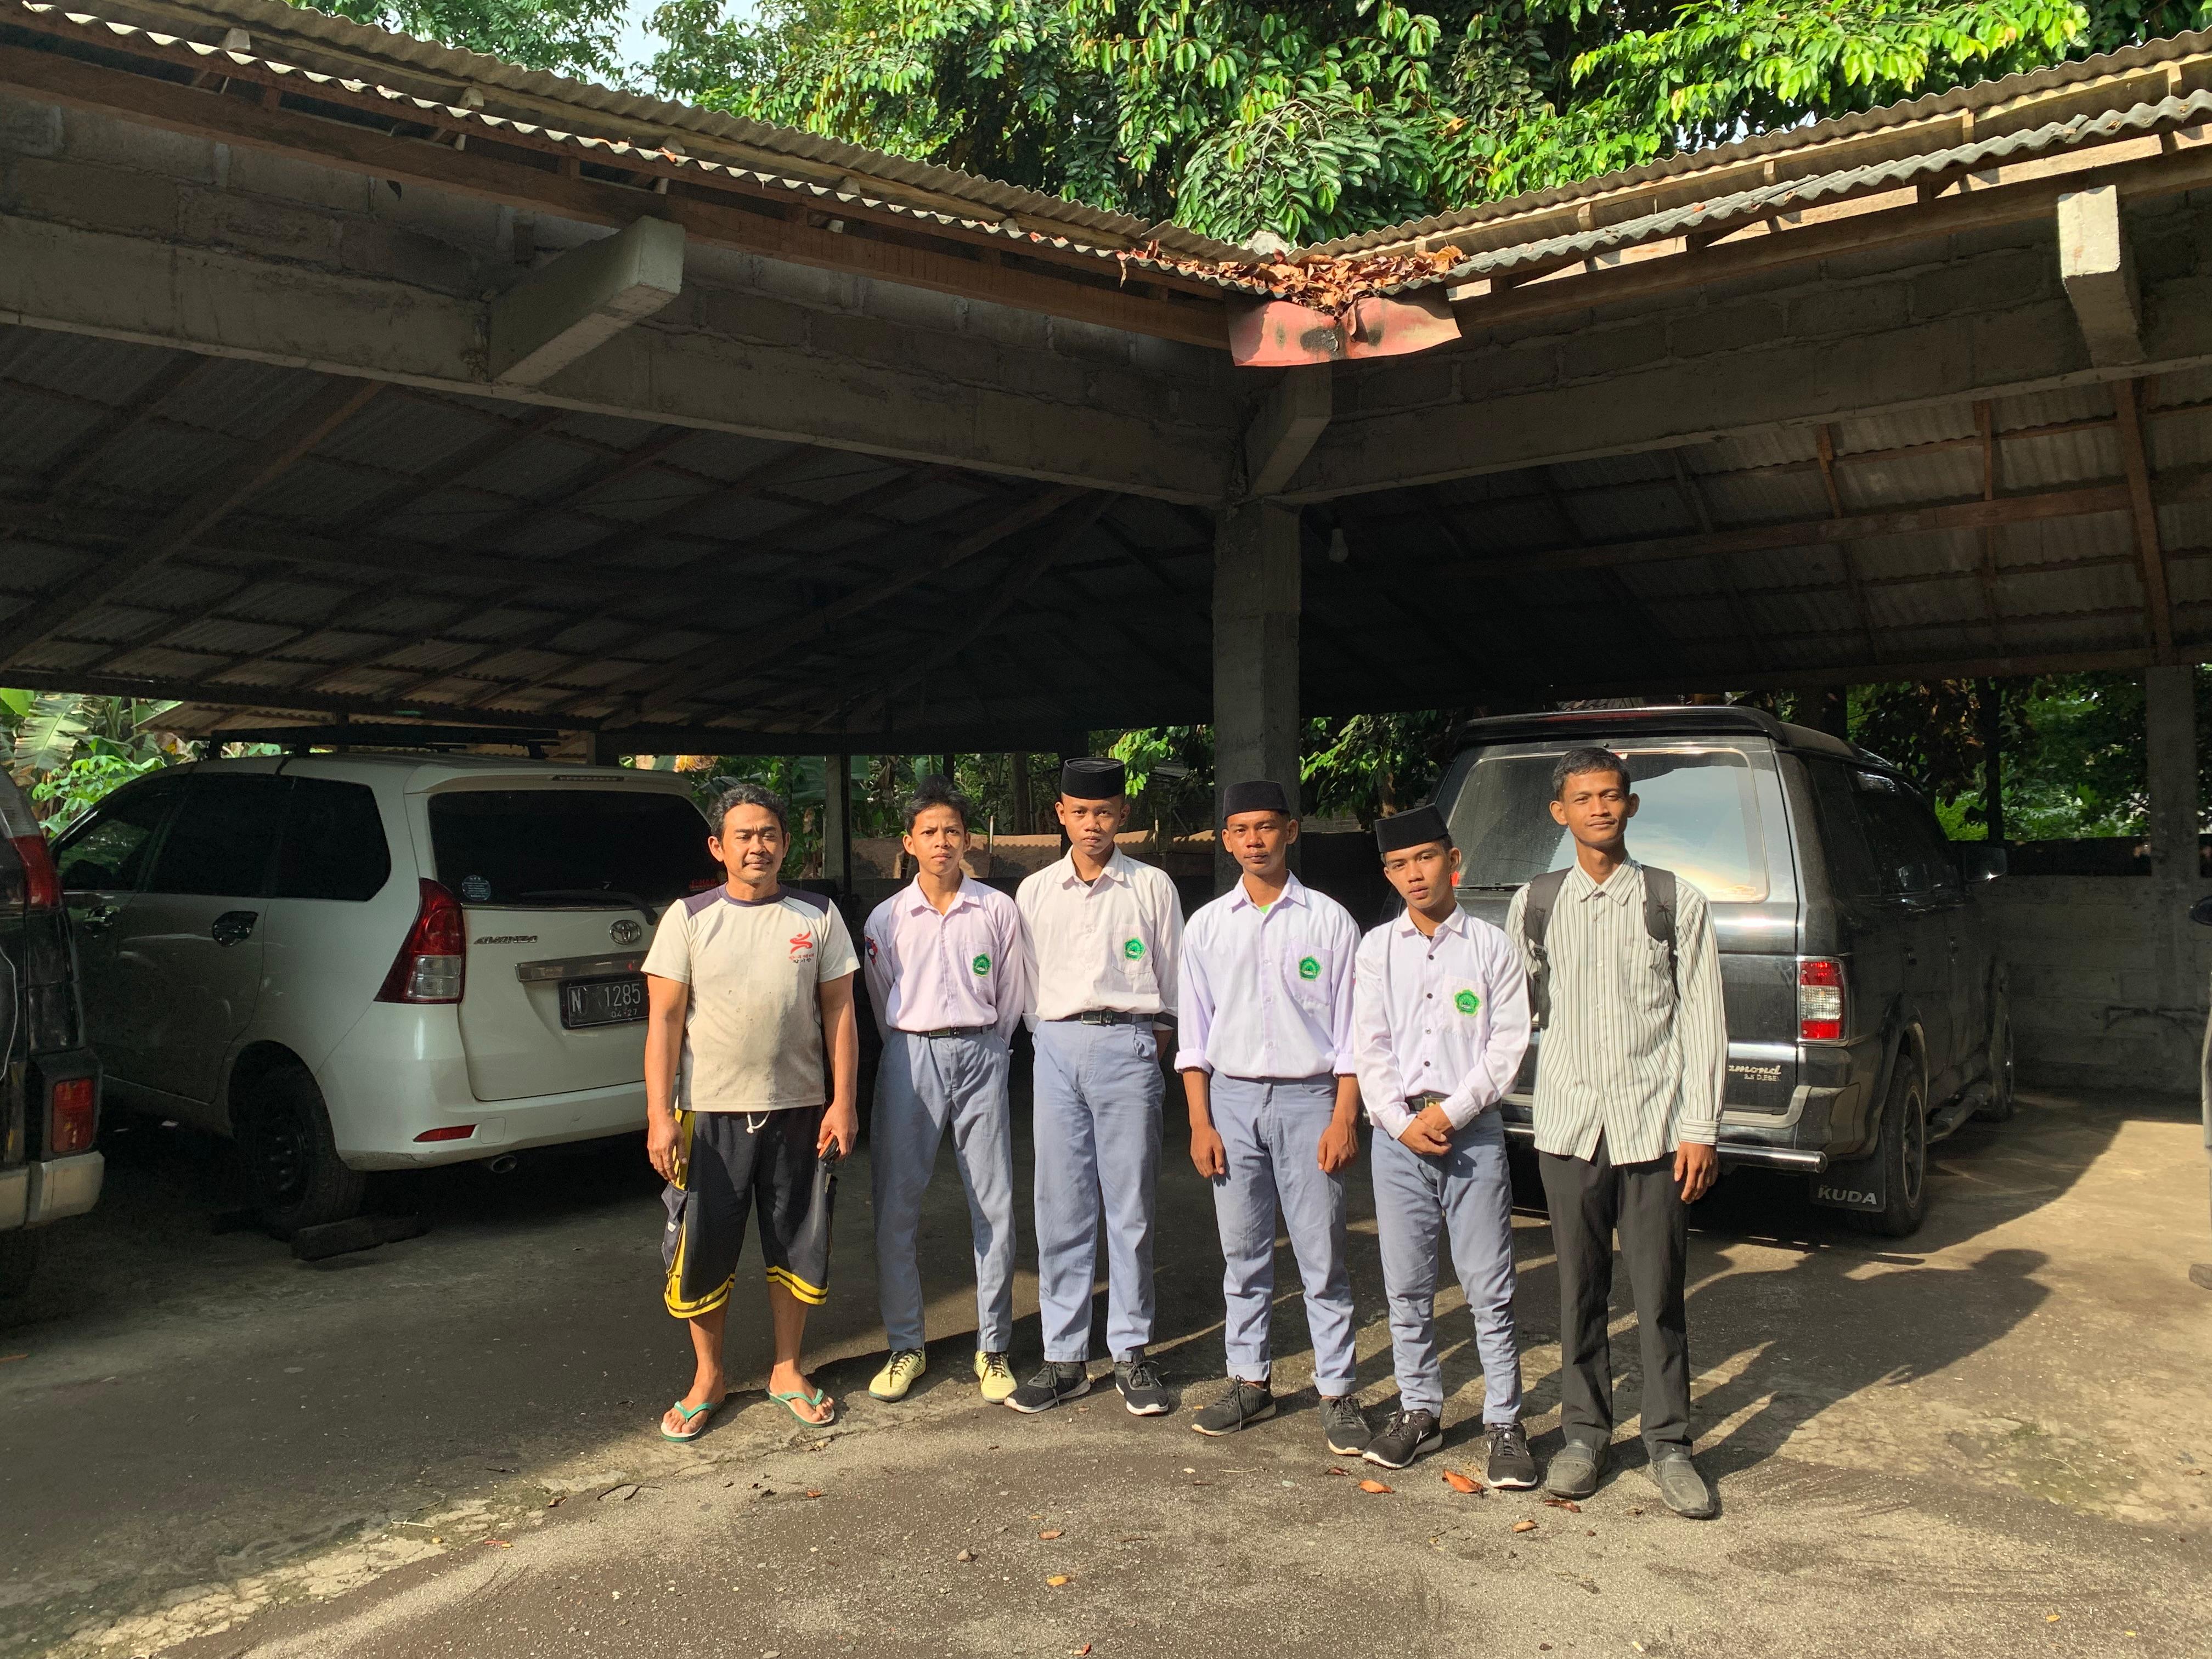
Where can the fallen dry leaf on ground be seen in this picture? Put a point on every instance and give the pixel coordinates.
(1051, 1533)
(1332, 1469)
(1373, 1485)
(965, 1555)
(6, 1357)
(1566, 1503)
(1524, 1526)
(1459, 1482)
(812, 1491)
(1080, 1652)
(497, 1544)
(557, 1500)
(1059, 1579)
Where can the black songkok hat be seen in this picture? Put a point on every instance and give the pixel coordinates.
(1265, 795)
(1089, 778)
(1414, 829)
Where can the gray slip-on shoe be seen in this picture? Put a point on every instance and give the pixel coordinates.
(1575, 1469)
(1681, 1488)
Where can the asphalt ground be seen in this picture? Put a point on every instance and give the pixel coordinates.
(1985, 1441)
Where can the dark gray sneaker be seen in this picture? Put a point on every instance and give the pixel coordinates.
(1142, 1391)
(1409, 1435)
(1345, 1424)
(1575, 1469)
(1245, 1402)
(1684, 1490)
(1511, 1465)
(1057, 1380)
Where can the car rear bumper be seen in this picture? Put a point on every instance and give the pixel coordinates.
(53, 1189)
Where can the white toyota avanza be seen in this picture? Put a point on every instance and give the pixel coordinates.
(359, 961)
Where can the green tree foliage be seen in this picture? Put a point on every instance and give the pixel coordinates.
(67, 750)
(569, 36)
(1335, 115)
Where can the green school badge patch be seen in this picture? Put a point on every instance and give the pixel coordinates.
(1466, 1002)
(1309, 969)
(1133, 948)
(981, 965)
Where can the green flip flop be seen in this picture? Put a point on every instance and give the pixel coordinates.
(691, 1415)
(815, 1397)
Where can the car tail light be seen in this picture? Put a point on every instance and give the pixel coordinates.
(433, 958)
(450, 1132)
(1820, 1000)
(71, 1116)
(42, 883)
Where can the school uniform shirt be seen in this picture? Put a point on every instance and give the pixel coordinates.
(1111, 944)
(752, 1028)
(965, 968)
(1626, 1053)
(1267, 993)
(1444, 1014)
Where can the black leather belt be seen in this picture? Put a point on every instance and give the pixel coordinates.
(955, 1030)
(1422, 1101)
(1110, 1017)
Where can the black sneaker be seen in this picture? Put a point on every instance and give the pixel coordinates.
(1245, 1402)
(1511, 1465)
(1345, 1425)
(1142, 1391)
(1057, 1380)
(1410, 1434)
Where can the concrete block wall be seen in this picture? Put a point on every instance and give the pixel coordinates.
(2109, 980)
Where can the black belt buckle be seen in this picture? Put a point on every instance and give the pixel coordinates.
(954, 1032)
(1422, 1101)
(1109, 1017)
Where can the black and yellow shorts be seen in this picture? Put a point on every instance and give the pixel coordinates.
(727, 1163)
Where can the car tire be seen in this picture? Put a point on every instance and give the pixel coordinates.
(291, 1159)
(19, 1259)
(1904, 1153)
(2001, 1103)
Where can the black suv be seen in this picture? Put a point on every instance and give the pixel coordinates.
(49, 1096)
(1866, 1006)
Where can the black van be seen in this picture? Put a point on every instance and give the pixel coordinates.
(1866, 1007)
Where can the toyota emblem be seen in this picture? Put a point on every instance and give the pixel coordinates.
(626, 931)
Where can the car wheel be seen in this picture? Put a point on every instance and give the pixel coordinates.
(1903, 1147)
(19, 1257)
(292, 1162)
(2001, 1104)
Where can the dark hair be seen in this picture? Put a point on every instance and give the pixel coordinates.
(1586, 760)
(749, 795)
(937, 791)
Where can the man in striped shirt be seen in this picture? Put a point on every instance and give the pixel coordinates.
(1629, 1082)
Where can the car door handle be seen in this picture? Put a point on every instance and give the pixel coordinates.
(234, 926)
(95, 917)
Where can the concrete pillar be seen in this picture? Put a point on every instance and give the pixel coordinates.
(1256, 647)
(603, 750)
(837, 822)
(2169, 722)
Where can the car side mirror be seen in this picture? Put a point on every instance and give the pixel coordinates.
(2201, 912)
(1982, 861)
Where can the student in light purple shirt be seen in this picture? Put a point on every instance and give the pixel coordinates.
(1440, 1022)
(1266, 1060)
(947, 967)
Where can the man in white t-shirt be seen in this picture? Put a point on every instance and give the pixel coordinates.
(745, 984)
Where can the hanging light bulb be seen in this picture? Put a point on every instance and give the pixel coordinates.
(1339, 551)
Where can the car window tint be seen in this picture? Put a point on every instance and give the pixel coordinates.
(568, 848)
(107, 853)
(1842, 840)
(334, 845)
(1910, 859)
(222, 838)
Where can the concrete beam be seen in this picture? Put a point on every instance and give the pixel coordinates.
(583, 299)
(2098, 265)
(1858, 337)
(1290, 419)
(2170, 738)
(843, 382)
(1256, 600)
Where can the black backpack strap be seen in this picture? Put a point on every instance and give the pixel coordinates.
(1659, 916)
(1535, 921)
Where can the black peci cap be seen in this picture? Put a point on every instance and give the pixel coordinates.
(1089, 778)
(1415, 829)
(1265, 795)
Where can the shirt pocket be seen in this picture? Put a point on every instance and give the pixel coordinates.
(1467, 1007)
(1307, 974)
(1133, 959)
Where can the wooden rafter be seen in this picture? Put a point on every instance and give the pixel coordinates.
(1985, 429)
(1826, 438)
(2128, 400)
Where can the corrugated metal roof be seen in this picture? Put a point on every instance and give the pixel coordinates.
(1982, 95)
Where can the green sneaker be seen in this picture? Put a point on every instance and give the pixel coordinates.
(900, 1372)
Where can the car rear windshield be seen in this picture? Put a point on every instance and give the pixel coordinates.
(554, 849)
(1696, 815)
